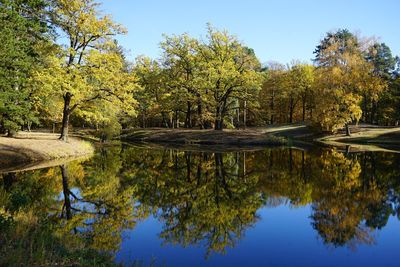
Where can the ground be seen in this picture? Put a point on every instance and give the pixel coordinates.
(367, 137)
(364, 137)
(246, 137)
(34, 147)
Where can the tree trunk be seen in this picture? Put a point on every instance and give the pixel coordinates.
(272, 106)
(200, 113)
(218, 119)
(66, 112)
(143, 120)
(348, 130)
(365, 108)
(304, 108)
(373, 111)
(166, 122)
(245, 114)
(291, 110)
(238, 117)
(176, 120)
(188, 120)
(218, 124)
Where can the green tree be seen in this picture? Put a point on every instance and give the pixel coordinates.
(181, 62)
(229, 72)
(24, 33)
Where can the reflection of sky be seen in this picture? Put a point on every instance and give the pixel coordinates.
(282, 237)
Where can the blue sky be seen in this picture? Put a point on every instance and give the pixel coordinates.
(278, 30)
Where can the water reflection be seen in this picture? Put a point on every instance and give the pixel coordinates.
(199, 198)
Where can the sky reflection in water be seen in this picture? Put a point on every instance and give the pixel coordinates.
(276, 207)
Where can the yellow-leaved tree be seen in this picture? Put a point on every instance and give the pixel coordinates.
(342, 77)
(90, 67)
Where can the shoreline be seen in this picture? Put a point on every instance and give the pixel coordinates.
(363, 138)
(29, 149)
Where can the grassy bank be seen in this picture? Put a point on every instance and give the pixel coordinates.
(363, 138)
(367, 138)
(34, 147)
(247, 137)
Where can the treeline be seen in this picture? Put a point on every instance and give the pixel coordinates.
(60, 65)
(353, 79)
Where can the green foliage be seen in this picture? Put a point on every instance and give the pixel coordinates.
(23, 33)
(214, 82)
(203, 80)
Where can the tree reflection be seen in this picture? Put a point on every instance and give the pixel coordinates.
(201, 198)
(77, 211)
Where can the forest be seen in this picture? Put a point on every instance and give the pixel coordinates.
(61, 67)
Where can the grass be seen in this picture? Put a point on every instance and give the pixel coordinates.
(29, 147)
(247, 137)
(367, 138)
(363, 138)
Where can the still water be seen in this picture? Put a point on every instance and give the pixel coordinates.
(165, 207)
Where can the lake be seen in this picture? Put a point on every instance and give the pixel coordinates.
(155, 206)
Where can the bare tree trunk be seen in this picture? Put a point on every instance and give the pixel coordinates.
(66, 113)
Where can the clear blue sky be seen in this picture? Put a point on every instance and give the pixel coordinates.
(279, 30)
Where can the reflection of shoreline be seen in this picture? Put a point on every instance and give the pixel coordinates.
(215, 148)
(31, 166)
(211, 199)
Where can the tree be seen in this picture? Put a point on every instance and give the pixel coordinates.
(343, 77)
(228, 71)
(90, 65)
(303, 81)
(154, 98)
(271, 92)
(24, 33)
(388, 107)
(181, 63)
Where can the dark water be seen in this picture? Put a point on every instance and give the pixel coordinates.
(163, 207)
